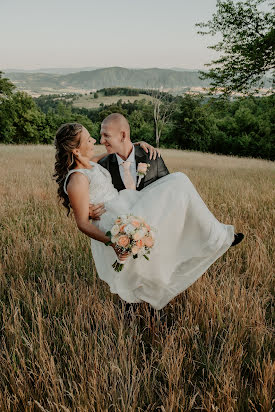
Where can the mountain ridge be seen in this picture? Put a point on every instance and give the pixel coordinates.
(116, 76)
(108, 77)
(68, 70)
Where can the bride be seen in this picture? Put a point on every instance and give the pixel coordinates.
(188, 237)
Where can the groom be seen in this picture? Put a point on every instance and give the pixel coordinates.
(123, 159)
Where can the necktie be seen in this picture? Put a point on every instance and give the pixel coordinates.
(128, 178)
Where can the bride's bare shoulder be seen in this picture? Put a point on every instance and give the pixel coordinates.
(77, 181)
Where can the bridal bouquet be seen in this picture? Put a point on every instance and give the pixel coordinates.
(133, 235)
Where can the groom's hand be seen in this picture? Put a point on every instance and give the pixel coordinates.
(147, 147)
(95, 211)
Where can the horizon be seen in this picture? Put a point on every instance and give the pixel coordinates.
(98, 68)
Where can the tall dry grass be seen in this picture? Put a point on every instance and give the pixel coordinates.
(65, 345)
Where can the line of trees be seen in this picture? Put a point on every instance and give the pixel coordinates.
(124, 91)
(243, 126)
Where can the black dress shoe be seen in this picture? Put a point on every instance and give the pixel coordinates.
(238, 237)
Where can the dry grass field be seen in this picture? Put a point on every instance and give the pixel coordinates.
(65, 345)
(89, 102)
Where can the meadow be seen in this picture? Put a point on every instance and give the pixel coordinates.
(89, 102)
(64, 342)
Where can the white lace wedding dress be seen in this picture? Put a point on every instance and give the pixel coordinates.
(188, 237)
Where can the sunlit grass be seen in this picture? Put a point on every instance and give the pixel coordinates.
(64, 342)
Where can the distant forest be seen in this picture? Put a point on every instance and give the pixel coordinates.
(243, 126)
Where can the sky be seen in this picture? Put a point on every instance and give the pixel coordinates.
(102, 33)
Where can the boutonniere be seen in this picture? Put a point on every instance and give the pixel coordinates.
(142, 171)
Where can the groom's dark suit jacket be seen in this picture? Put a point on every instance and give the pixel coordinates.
(156, 170)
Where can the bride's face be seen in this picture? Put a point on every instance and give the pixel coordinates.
(111, 137)
(86, 148)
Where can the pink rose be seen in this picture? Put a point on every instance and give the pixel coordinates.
(135, 250)
(148, 241)
(123, 241)
(135, 223)
(137, 236)
(139, 244)
(147, 227)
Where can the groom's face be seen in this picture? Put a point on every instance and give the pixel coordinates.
(112, 137)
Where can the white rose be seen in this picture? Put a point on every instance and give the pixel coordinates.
(143, 232)
(152, 233)
(125, 219)
(129, 229)
(113, 239)
(142, 251)
(115, 230)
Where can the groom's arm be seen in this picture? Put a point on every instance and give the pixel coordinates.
(96, 210)
(145, 146)
(157, 170)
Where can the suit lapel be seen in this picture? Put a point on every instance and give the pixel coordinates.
(141, 157)
(114, 170)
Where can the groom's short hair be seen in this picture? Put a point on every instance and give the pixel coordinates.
(118, 118)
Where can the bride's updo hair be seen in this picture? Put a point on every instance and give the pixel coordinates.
(66, 139)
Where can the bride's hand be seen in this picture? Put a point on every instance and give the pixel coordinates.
(121, 256)
(146, 146)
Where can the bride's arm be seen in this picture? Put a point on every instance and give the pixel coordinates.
(78, 192)
(145, 146)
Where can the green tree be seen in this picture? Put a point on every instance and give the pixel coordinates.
(6, 87)
(22, 122)
(192, 126)
(64, 114)
(111, 109)
(248, 45)
(140, 130)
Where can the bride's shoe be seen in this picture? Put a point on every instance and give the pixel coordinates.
(238, 237)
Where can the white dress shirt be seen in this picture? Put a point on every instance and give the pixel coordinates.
(131, 159)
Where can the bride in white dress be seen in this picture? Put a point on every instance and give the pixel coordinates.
(188, 237)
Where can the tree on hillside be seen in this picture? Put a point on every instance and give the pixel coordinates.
(6, 86)
(163, 110)
(247, 45)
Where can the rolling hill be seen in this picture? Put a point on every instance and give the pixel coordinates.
(106, 77)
